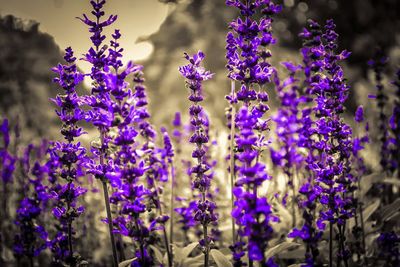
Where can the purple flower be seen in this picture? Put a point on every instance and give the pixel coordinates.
(67, 159)
(247, 56)
(395, 127)
(195, 74)
(359, 116)
(378, 64)
(389, 252)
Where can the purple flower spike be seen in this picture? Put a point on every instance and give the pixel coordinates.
(195, 74)
(67, 159)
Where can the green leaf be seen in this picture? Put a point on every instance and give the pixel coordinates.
(181, 254)
(392, 181)
(368, 181)
(220, 259)
(298, 253)
(197, 261)
(394, 217)
(158, 254)
(368, 211)
(126, 263)
(388, 210)
(283, 213)
(279, 248)
(188, 249)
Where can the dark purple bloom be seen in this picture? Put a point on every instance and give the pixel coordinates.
(195, 74)
(359, 116)
(67, 159)
(389, 249)
(395, 127)
(378, 64)
(247, 56)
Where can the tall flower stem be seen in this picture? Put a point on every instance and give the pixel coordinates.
(360, 207)
(171, 210)
(69, 221)
(330, 244)
(110, 223)
(232, 159)
(108, 209)
(205, 233)
(160, 210)
(195, 74)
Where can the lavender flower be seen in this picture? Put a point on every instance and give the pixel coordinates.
(32, 237)
(7, 160)
(101, 114)
(252, 213)
(395, 126)
(389, 254)
(378, 64)
(333, 171)
(288, 127)
(247, 56)
(195, 74)
(312, 63)
(67, 157)
(360, 170)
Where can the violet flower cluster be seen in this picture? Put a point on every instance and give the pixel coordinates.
(68, 157)
(247, 56)
(395, 126)
(7, 159)
(32, 237)
(378, 64)
(195, 74)
(332, 139)
(312, 62)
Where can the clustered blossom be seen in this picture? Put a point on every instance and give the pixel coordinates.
(332, 137)
(328, 139)
(312, 63)
(7, 159)
(126, 169)
(67, 159)
(359, 142)
(378, 64)
(389, 244)
(288, 127)
(288, 123)
(360, 169)
(195, 74)
(32, 238)
(252, 213)
(395, 126)
(336, 141)
(247, 56)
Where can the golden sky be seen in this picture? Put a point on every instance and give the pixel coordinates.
(57, 17)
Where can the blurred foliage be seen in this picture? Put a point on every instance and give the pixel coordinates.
(26, 59)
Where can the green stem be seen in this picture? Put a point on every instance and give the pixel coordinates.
(110, 223)
(330, 244)
(171, 211)
(107, 204)
(205, 233)
(232, 160)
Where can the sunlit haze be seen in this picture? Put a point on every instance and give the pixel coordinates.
(58, 18)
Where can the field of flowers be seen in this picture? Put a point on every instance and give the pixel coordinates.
(276, 187)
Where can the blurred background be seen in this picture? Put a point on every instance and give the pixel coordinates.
(156, 33)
